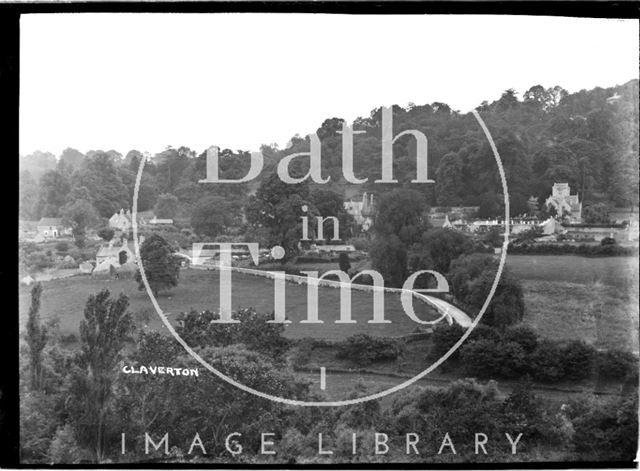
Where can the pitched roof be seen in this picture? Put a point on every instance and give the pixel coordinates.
(50, 222)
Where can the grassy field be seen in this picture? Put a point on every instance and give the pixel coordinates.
(567, 297)
(621, 272)
(199, 290)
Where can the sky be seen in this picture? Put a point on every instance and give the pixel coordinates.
(148, 81)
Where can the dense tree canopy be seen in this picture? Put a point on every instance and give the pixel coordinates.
(544, 136)
(278, 208)
(161, 267)
(101, 177)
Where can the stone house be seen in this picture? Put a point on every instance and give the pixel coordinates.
(117, 254)
(120, 221)
(362, 211)
(565, 204)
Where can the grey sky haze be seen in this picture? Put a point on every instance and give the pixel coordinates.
(145, 81)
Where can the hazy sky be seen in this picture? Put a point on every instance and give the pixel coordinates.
(146, 81)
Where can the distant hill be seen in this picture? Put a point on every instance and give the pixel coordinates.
(588, 139)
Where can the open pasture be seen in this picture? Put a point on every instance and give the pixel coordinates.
(567, 297)
(593, 299)
(621, 272)
(199, 289)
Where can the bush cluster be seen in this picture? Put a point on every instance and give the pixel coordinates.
(518, 352)
(253, 331)
(364, 350)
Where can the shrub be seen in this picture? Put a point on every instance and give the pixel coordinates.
(363, 349)
(608, 241)
(523, 336)
(106, 233)
(578, 360)
(301, 354)
(471, 278)
(609, 431)
(38, 261)
(481, 358)
(62, 246)
(513, 360)
(253, 330)
(64, 448)
(444, 337)
(546, 362)
(363, 279)
(484, 332)
(345, 264)
(360, 243)
(616, 364)
(487, 358)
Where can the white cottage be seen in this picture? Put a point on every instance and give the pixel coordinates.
(51, 228)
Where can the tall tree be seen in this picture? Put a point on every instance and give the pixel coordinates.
(331, 204)
(105, 330)
(471, 277)
(167, 206)
(400, 213)
(54, 188)
(213, 215)
(36, 338)
(278, 208)
(389, 258)
(100, 176)
(449, 180)
(28, 194)
(38, 163)
(72, 157)
(161, 267)
(80, 214)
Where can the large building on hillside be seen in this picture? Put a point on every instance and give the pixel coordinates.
(565, 204)
(362, 211)
(120, 221)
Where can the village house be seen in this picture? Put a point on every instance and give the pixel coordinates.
(564, 203)
(362, 211)
(116, 253)
(51, 228)
(457, 224)
(155, 220)
(120, 221)
(516, 225)
(456, 215)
